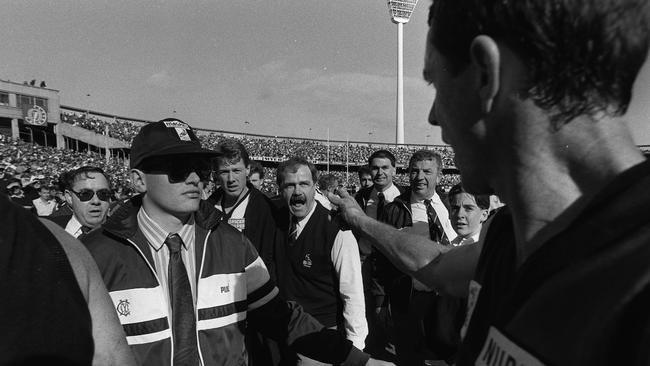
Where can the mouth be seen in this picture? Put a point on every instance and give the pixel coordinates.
(193, 194)
(298, 201)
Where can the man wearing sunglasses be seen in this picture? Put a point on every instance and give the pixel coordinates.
(88, 193)
(184, 283)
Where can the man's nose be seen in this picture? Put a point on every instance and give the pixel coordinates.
(432, 115)
(193, 178)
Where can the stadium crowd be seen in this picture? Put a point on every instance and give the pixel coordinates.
(273, 148)
(117, 128)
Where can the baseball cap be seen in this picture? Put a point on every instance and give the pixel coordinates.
(169, 136)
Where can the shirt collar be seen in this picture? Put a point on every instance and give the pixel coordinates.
(389, 193)
(73, 226)
(459, 240)
(435, 199)
(156, 235)
(302, 222)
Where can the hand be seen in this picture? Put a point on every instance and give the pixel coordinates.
(346, 205)
(374, 362)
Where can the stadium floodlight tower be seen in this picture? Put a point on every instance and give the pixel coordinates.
(400, 13)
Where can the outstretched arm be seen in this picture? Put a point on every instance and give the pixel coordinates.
(446, 270)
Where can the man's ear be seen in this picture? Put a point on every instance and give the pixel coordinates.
(486, 58)
(139, 180)
(68, 197)
(485, 213)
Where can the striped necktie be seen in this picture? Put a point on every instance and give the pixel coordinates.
(180, 294)
(436, 231)
(293, 229)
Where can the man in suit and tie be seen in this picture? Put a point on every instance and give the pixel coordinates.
(421, 210)
(88, 193)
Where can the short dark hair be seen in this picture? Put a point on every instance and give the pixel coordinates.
(256, 167)
(364, 170)
(422, 155)
(582, 56)
(382, 154)
(72, 176)
(233, 151)
(327, 181)
(482, 200)
(292, 165)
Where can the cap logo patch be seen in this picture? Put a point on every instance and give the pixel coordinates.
(182, 134)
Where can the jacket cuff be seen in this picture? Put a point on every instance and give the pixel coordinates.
(356, 358)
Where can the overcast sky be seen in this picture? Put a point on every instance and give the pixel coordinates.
(288, 67)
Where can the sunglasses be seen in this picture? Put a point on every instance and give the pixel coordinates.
(177, 170)
(87, 194)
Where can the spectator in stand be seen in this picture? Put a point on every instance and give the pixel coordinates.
(5, 178)
(88, 193)
(45, 204)
(365, 176)
(256, 175)
(17, 195)
(317, 262)
(326, 183)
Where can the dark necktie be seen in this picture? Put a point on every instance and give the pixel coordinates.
(293, 230)
(85, 229)
(180, 294)
(436, 231)
(381, 201)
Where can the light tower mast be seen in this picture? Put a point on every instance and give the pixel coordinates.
(400, 13)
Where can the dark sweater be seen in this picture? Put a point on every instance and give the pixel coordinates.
(305, 271)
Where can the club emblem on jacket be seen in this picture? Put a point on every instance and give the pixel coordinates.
(307, 261)
(123, 308)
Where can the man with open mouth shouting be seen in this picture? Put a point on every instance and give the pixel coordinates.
(317, 262)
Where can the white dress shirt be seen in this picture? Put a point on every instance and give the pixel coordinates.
(44, 208)
(347, 264)
(323, 200)
(459, 240)
(419, 213)
(156, 236)
(389, 195)
(73, 227)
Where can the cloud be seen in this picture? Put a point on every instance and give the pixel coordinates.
(341, 93)
(351, 103)
(160, 79)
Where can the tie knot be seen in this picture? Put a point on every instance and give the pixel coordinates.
(174, 243)
(380, 196)
(85, 229)
(427, 202)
